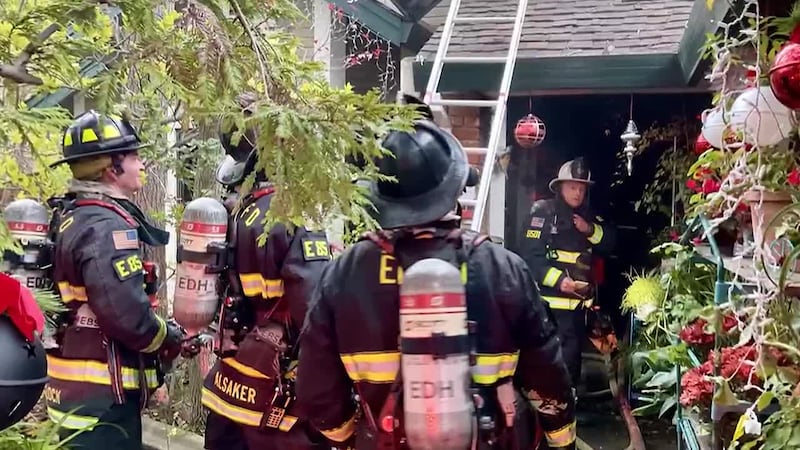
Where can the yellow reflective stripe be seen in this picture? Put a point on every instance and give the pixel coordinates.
(567, 303)
(382, 367)
(244, 369)
(561, 437)
(255, 285)
(567, 257)
(491, 368)
(551, 277)
(88, 135)
(342, 432)
(67, 138)
(273, 288)
(225, 409)
(71, 293)
(110, 132)
(251, 284)
(155, 344)
(71, 421)
(375, 367)
(597, 234)
(95, 372)
(241, 415)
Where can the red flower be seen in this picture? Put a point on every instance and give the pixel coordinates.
(693, 185)
(696, 389)
(710, 186)
(794, 177)
(702, 173)
(674, 236)
(695, 333)
(729, 322)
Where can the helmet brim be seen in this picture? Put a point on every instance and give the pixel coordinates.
(556, 181)
(109, 151)
(428, 207)
(230, 171)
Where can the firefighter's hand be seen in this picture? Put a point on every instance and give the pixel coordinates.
(173, 343)
(581, 224)
(568, 286)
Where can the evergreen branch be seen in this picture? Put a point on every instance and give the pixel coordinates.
(256, 48)
(17, 71)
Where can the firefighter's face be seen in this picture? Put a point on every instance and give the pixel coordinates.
(131, 179)
(573, 192)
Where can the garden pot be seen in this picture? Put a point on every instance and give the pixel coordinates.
(764, 206)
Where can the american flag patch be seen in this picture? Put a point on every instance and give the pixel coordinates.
(126, 240)
(537, 222)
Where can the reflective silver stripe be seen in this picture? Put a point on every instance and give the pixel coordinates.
(71, 421)
(490, 368)
(375, 367)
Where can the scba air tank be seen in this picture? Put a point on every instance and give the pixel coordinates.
(434, 355)
(28, 223)
(203, 234)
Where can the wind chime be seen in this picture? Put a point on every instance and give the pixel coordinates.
(630, 137)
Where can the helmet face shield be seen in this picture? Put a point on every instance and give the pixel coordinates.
(230, 172)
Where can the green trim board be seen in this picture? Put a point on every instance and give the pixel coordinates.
(576, 72)
(385, 23)
(702, 22)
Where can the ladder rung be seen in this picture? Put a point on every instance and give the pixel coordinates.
(476, 150)
(474, 59)
(467, 103)
(468, 202)
(484, 19)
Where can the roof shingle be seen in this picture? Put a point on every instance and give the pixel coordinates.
(555, 28)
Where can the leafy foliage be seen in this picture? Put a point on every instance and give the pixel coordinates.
(183, 63)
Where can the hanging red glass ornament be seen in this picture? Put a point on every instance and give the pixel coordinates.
(701, 145)
(784, 75)
(530, 131)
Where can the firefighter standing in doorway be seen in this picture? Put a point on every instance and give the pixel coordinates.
(112, 343)
(249, 391)
(350, 338)
(560, 235)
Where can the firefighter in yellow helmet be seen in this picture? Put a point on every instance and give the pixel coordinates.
(112, 344)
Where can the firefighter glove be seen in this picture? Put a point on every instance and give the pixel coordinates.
(173, 343)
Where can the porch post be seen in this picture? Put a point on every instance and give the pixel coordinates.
(330, 50)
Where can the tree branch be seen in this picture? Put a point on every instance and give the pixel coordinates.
(17, 71)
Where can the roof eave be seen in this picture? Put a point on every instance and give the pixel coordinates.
(411, 35)
(702, 22)
(598, 72)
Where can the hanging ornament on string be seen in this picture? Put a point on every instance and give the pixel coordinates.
(530, 130)
(784, 75)
(630, 137)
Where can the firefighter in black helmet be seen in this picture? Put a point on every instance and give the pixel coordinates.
(249, 392)
(112, 344)
(23, 374)
(349, 342)
(560, 236)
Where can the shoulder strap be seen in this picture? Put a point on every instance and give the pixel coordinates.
(108, 205)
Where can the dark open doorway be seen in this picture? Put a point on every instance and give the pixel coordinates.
(590, 126)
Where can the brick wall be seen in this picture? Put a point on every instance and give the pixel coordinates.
(470, 125)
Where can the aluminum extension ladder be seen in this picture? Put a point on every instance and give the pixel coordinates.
(499, 105)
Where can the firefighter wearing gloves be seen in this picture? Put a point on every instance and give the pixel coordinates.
(460, 307)
(560, 235)
(249, 392)
(112, 343)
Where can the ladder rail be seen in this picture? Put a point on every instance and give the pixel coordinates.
(441, 51)
(497, 119)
